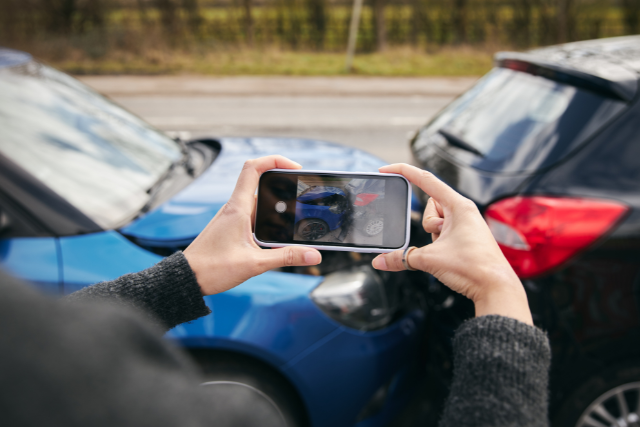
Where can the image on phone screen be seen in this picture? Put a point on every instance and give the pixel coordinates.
(340, 210)
(326, 209)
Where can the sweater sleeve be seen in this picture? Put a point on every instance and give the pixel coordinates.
(168, 292)
(500, 378)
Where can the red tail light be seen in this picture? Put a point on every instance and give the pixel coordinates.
(363, 199)
(537, 234)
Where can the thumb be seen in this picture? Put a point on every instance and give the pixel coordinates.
(417, 259)
(390, 262)
(290, 256)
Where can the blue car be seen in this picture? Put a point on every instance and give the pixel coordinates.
(319, 209)
(89, 192)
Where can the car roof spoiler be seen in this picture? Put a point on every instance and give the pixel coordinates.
(623, 85)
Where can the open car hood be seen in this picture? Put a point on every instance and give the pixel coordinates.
(178, 221)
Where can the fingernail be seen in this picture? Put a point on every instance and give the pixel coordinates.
(380, 263)
(440, 228)
(298, 164)
(312, 258)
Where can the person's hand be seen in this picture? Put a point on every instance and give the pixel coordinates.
(225, 254)
(464, 255)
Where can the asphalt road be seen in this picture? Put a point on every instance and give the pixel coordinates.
(374, 114)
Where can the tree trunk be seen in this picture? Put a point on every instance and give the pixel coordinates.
(381, 24)
(194, 19)
(631, 16)
(248, 21)
(168, 16)
(459, 21)
(521, 24)
(565, 20)
(317, 21)
(415, 21)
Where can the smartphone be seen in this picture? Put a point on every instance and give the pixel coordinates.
(339, 211)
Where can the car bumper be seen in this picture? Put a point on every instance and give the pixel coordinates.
(360, 378)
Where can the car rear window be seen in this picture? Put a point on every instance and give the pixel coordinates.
(511, 121)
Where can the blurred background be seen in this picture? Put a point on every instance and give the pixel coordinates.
(154, 56)
(396, 37)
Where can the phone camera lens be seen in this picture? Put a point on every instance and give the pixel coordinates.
(281, 207)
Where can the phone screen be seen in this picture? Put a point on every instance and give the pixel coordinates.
(332, 209)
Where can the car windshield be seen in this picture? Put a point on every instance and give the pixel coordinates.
(97, 156)
(511, 121)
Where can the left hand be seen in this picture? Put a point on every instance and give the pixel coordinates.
(224, 254)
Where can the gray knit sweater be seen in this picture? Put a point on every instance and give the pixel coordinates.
(87, 362)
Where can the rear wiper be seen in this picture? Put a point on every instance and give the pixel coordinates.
(460, 143)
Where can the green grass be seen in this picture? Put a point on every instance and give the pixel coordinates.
(400, 61)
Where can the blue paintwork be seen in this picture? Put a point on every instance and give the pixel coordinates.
(272, 311)
(319, 192)
(366, 362)
(97, 257)
(35, 259)
(415, 203)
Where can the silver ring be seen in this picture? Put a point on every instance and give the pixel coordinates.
(405, 255)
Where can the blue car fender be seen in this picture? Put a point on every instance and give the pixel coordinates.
(270, 317)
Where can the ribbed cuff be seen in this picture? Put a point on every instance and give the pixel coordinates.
(168, 292)
(176, 297)
(501, 369)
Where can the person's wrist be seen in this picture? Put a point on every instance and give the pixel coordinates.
(503, 295)
(507, 304)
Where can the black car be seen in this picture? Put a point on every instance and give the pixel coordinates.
(548, 146)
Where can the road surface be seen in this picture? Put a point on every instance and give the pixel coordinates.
(374, 114)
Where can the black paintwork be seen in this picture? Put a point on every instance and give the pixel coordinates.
(590, 305)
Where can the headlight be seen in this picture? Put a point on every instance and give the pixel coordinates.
(355, 298)
(338, 207)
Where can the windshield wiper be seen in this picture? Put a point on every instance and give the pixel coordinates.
(184, 161)
(460, 143)
(186, 158)
(154, 190)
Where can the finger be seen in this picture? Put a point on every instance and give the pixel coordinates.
(253, 212)
(289, 256)
(432, 220)
(426, 181)
(390, 262)
(439, 208)
(242, 197)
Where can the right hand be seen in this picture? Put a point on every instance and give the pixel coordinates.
(464, 255)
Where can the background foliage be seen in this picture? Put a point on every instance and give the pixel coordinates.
(169, 32)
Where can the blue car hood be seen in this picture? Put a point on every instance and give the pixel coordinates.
(178, 221)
